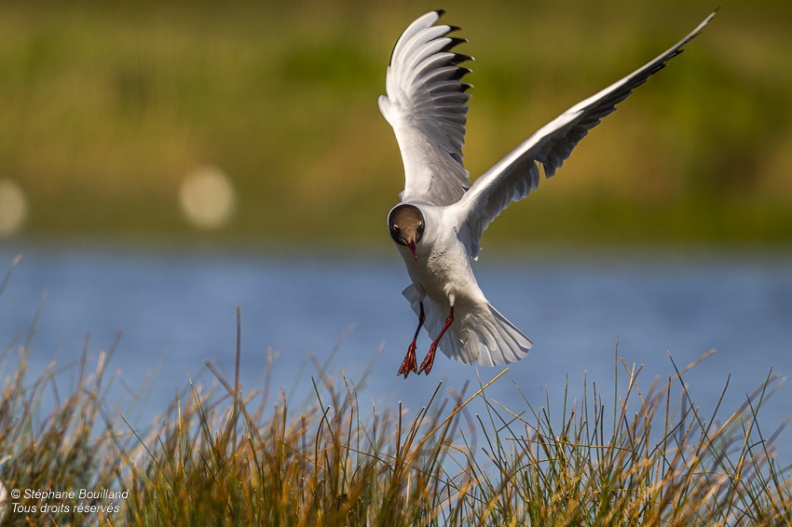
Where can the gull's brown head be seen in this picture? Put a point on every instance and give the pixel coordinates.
(406, 226)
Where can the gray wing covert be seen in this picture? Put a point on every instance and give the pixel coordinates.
(513, 177)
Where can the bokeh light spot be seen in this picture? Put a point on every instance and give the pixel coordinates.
(13, 207)
(207, 197)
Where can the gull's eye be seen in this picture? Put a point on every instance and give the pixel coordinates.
(395, 233)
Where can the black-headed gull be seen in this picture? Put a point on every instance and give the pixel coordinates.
(441, 217)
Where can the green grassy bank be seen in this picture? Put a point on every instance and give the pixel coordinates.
(107, 107)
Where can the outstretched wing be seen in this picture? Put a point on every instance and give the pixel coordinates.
(514, 176)
(427, 107)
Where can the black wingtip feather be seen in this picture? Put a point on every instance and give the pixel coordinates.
(459, 73)
(453, 42)
(459, 58)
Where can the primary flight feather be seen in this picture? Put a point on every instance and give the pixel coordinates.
(441, 217)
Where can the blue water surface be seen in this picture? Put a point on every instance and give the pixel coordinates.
(176, 308)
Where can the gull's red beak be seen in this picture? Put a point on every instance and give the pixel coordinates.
(413, 250)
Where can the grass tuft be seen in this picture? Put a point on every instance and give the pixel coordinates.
(223, 457)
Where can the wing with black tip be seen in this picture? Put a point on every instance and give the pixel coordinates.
(426, 104)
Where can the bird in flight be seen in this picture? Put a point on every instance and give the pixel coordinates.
(441, 217)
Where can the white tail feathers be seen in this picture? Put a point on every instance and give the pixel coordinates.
(479, 333)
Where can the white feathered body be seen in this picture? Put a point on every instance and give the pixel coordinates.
(426, 104)
(441, 275)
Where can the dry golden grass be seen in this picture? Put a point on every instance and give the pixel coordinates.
(228, 458)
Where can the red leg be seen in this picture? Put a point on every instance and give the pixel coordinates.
(426, 365)
(410, 362)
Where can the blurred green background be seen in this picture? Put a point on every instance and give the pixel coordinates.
(107, 107)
